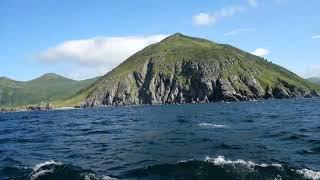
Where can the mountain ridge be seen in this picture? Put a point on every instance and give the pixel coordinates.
(49, 87)
(183, 69)
(314, 80)
(50, 76)
(45, 76)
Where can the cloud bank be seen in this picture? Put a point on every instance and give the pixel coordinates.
(98, 50)
(95, 56)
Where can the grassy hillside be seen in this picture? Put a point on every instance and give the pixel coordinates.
(47, 88)
(315, 80)
(178, 48)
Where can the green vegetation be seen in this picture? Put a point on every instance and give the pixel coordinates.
(175, 49)
(74, 100)
(315, 80)
(47, 88)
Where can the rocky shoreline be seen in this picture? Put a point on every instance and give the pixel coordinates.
(37, 107)
(42, 108)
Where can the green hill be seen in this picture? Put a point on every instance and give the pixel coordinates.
(183, 69)
(47, 88)
(314, 80)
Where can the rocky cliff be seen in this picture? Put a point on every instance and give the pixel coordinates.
(182, 69)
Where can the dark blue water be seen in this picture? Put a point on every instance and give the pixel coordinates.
(277, 139)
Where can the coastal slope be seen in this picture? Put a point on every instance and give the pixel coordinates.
(47, 88)
(315, 80)
(183, 69)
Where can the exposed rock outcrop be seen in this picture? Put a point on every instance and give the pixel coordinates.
(38, 107)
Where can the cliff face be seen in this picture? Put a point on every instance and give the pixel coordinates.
(182, 69)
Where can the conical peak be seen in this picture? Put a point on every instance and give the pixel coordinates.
(177, 35)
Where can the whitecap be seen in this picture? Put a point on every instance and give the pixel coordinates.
(220, 161)
(37, 174)
(40, 170)
(48, 167)
(92, 176)
(309, 174)
(47, 163)
(276, 165)
(250, 166)
(184, 161)
(212, 125)
(108, 178)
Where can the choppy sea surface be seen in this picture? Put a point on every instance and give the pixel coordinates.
(276, 139)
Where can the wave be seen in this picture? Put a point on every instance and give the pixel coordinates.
(209, 168)
(221, 168)
(51, 170)
(220, 161)
(44, 169)
(210, 125)
(58, 170)
(309, 174)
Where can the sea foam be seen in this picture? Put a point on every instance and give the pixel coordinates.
(44, 168)
(92, 176)
(51, 167)
(309, 174)
(210, 125)
(220, 161)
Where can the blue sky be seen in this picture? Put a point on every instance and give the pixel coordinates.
(82, 39)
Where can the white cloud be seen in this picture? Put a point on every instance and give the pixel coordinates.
(316, 37)
(261, 52)
(238, 31)
(229, 11)
(207, 19)
(95, 51)
(203, 19)
(253, 3)
(96, 56)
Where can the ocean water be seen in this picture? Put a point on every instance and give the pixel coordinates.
(276, 139)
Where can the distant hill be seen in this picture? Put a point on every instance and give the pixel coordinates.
(314, 80)
(183, 69)
(47, 88)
